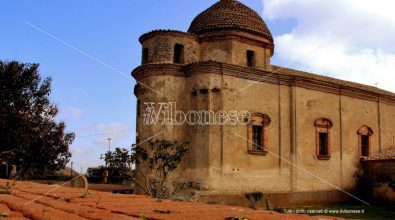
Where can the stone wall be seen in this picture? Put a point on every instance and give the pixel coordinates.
(380, 166)
(225, 49)
(161, 47)
(382, 192)
(219, 158)
(277, 200)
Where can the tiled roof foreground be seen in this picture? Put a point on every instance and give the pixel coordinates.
(32, 201)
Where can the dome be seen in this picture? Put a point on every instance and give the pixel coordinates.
(230, 14)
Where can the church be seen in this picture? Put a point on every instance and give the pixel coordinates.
(305, 132)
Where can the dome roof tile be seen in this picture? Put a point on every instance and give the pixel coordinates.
(230, 14)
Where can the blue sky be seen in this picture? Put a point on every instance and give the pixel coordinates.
(97, 102)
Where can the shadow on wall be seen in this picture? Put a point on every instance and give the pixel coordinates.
(376, 180)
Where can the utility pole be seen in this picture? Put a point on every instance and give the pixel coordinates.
(109, 143)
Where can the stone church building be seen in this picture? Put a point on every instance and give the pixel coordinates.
(306, 133)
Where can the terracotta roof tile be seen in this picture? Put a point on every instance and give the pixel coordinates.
(292, 72)
(384, 155)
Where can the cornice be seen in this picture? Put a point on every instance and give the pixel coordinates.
(306, 80)
(155, 69)
(153, 33)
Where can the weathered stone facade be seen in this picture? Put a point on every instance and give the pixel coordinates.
(214, 73)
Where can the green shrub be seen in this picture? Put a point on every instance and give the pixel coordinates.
(162, 157)
(5, 189)
(367, 180)
(3, 214)
(253, 198)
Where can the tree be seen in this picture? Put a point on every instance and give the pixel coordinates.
(27, 121)
(162, 157)
(119, 160)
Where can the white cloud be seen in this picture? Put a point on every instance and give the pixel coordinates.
(69, 113)
(78, 151)
(113, 130)
(74, 112)
(347, 39)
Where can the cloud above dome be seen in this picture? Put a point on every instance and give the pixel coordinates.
(351, 40)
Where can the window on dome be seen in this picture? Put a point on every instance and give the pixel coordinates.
(178, 53)
(138, 108)
(145, 56)
(250, 58)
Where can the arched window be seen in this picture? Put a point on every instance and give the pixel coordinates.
(257, 133)
(323, 128)
(364, 134)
